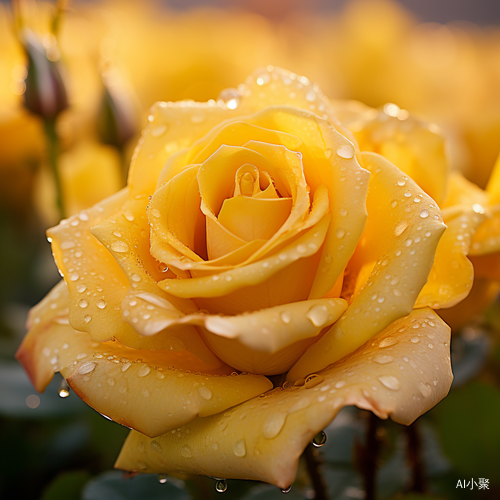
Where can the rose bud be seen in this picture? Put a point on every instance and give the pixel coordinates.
(116, 120)
(45, 90)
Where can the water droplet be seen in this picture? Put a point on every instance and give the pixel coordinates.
(389, 381)
(415, 340)
(86, 368)
(144, 370)
(128, 215)
(318, 315)
(156, 446)
(126, 366)
(111, 382)
(340, 233)
(74, 277)
(82, 355)
(424, 389)
(478, 208)
(343, 212)
(328, 153)
(400, 227)
(119, 246)
(401, 182)
(135, 277)
(388, 342)
(162, 478)
(383, 359)
(319, 440)
(101, 304)
(239, 448)
(313, 380)
(186, 452)
(63, 389)
(221, 486)
(408, 242)
(159, 130)
(286, 317)
(205, 392)
(345, 151)
(273, 425)
(407, 194)
(81, 288)
(83, 303)
(87, 318)
(424, 214)
(287, 490)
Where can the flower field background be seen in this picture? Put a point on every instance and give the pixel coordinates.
(118, 59)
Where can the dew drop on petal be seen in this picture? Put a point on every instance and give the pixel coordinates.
(390, 382)
(400, 227)
(186, 452)
(205, 392)
(286, 317)
(383, 359)
(273, 425)
(345, 151)
(318, 315)
(159, 130)
(143, 371)
(239, 448)
(424, 214)
(119, 246)
(86, 368)
(387, 342)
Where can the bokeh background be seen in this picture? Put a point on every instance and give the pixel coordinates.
(440, 60)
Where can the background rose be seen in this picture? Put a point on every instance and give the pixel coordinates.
(135, 327)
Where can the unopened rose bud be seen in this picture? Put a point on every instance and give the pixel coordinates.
(45, 90)
(116, 121)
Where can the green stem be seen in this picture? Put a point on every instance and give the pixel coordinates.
(370, 458)
(314, 468)
(53, 149)
(415, 458)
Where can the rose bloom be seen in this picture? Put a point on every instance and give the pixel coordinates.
(255, 238)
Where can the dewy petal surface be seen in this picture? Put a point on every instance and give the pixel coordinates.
(90, 271)
(153, 391)
(392, 261)
(452, 273)
(262, 439)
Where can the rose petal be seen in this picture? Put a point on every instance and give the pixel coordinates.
(90, 271)
(271, 340)
(151, 391)
(452, 273)
(395, 254)
(252, 274)
(415, 146)
(262, 439)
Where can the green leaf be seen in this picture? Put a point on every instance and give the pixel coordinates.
(113, 486)
(66, 486)
(469, 430)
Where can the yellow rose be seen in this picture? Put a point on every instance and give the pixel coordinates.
(253, 236)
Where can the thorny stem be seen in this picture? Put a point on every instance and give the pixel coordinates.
(53, 155)
(418, 483)
(370, 457)
(313, 464)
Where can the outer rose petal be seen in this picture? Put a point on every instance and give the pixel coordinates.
(262, 439)
(396, 251)
(153, 391)
(90, 271)
(452, 273)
